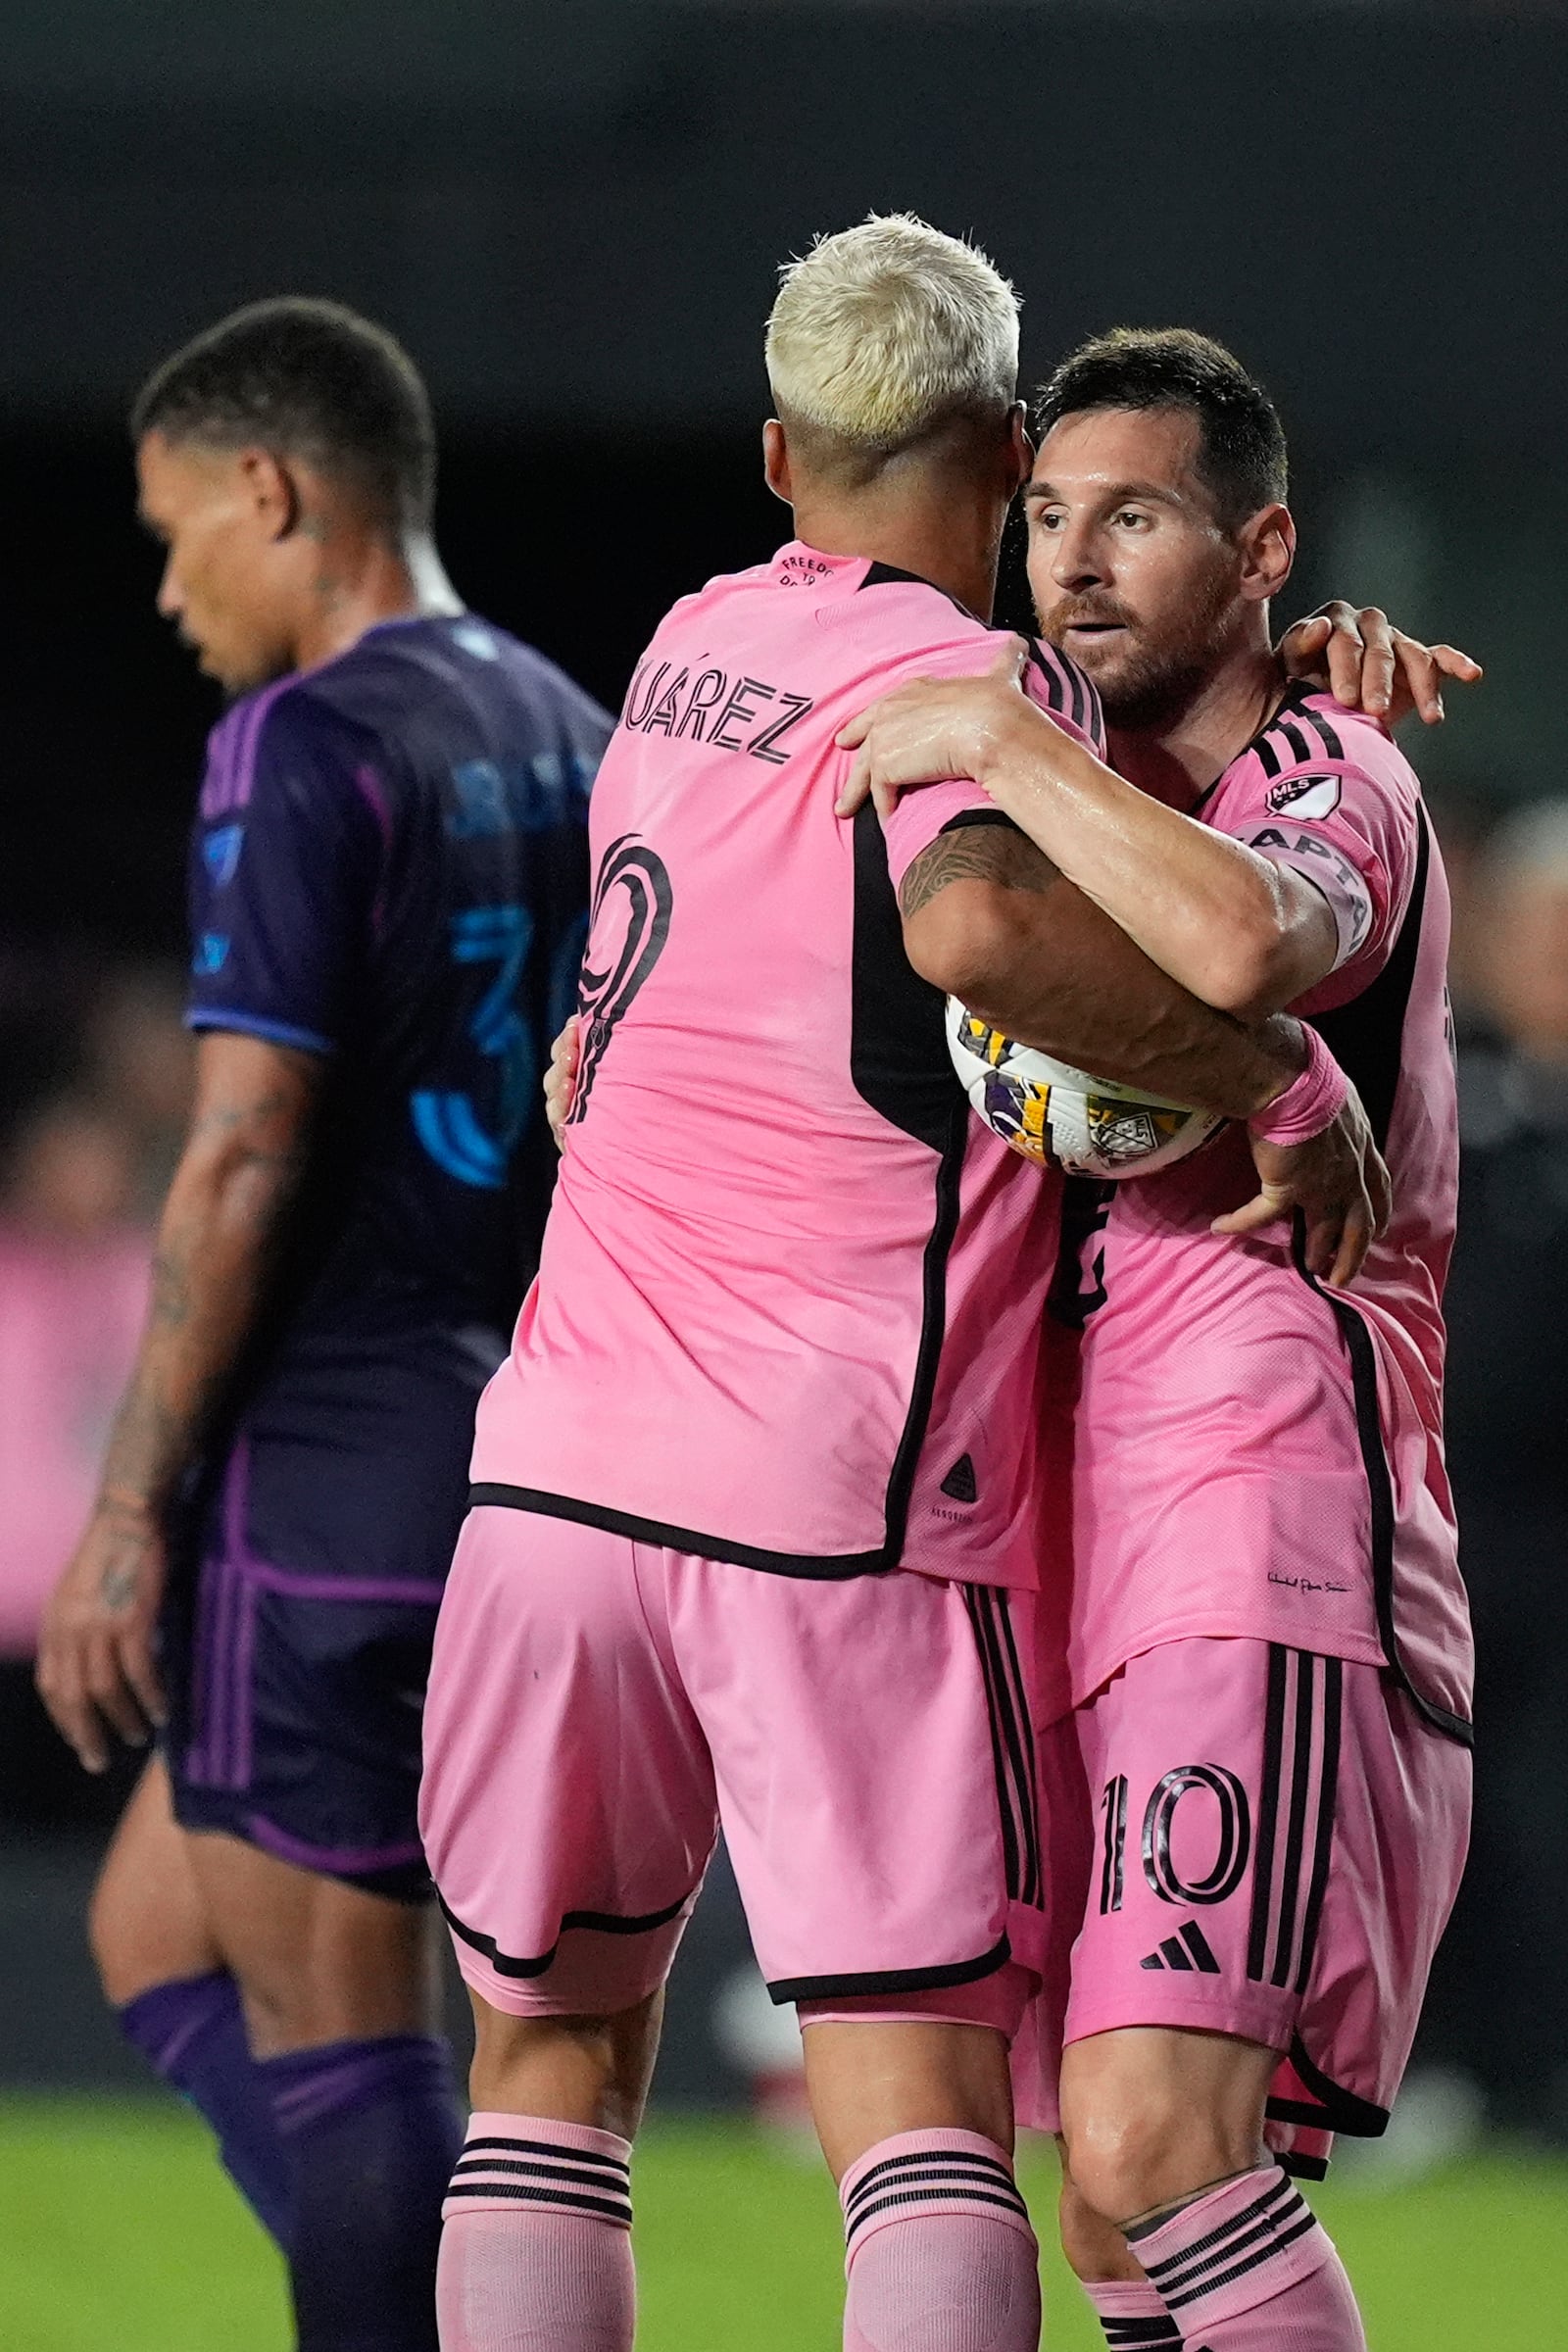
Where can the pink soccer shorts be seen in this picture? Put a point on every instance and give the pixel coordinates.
(1263, 1842)
(597, 1708)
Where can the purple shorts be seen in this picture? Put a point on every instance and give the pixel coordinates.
(1254, 1841)
(599, 1707)
(296, 1690)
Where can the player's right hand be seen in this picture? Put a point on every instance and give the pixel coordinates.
(561, 1081)
(1338, 1181)
(96, 1672)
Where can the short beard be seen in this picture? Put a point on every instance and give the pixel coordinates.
(1161, 683)
(1152, 695)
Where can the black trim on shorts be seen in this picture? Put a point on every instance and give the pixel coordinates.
(1013, 1738)
(1300, 2168)
(1333, 2108)
(603, 1923)
(892, 1980)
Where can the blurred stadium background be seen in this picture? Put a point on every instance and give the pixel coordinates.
(570, 211)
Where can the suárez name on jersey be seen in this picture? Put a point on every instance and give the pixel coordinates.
(728, 714)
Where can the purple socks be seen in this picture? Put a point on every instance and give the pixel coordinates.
(192, 2033)
(372, 2129)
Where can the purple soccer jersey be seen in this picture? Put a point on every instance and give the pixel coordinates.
(389, 868)
(389, 873)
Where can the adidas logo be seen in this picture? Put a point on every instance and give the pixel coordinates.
(960, 1482)
(1187, 1948)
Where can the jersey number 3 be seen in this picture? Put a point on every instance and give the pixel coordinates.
(446, 1122)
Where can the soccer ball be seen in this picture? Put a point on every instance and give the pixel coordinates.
(1062, 1117)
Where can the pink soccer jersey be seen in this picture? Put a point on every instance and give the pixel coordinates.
(1251, 1455)
(788, 1306)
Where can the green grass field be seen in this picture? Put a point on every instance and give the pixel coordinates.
(117, 2233)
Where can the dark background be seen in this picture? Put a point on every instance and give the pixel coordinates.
(571, 210)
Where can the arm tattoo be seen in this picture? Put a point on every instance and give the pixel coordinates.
(997, 854)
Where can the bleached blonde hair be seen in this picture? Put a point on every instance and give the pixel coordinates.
(881, 331)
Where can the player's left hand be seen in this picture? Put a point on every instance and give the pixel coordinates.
(931, 730)
(1339, 1183)
(1368, 665)
(96, 1672)
(560, 1080)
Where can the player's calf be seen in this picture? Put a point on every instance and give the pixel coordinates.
(536, 2244)
(915, 2118)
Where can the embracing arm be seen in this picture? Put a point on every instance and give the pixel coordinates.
(990, 920)
(219, 1238)
(1242, 933)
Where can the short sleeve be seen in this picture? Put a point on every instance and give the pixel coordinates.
(284, 876)
(1354, 835)
(934, 809)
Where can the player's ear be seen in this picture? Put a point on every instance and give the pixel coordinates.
(272, 490)
(776, 461)
(1022, 447)
(1267, 542)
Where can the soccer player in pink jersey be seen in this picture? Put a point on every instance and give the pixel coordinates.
(755, 1538)
(1262, 1791)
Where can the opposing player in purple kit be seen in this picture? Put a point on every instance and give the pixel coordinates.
(389, 893)
(1262, 1794)
(755, 1538)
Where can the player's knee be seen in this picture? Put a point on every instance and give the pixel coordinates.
(1094, 2248)
(1128, 2159)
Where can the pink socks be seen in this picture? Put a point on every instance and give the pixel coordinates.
(1246, 2268)
(1133, 2317)
(941, 2256)
(536, 2249)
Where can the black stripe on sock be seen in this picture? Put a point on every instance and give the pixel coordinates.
(616, 2165)
(1133, 2231)
(1178, 2271)
(923, 2197)
(519, 2194)
(923, 2163)
(566, 2175)
(1300, 2226)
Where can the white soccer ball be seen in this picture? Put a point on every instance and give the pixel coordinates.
(1064, 1117)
